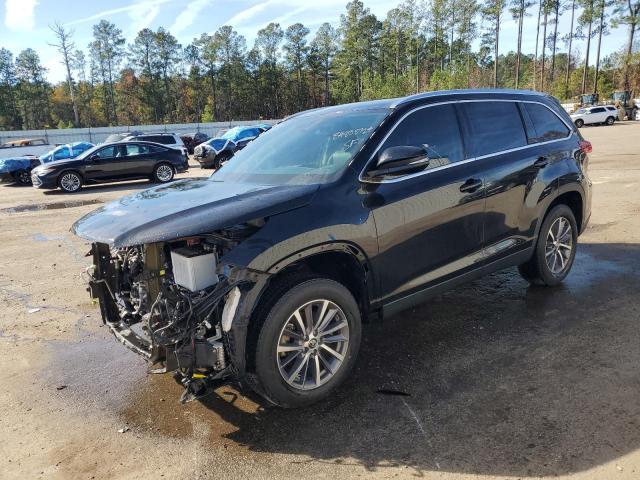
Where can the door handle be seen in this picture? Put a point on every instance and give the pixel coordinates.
(471, 185)
(541, 162)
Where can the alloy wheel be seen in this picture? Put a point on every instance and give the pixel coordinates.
(70, 182)
(559, 246)
(312, 344)
(164, 173)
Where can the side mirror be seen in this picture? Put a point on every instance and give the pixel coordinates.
(400, 160)
(93, 158)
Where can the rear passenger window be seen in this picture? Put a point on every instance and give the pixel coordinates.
(435, 128)
(133, 150)
(547, 125)
(597, 110)
(494, 127)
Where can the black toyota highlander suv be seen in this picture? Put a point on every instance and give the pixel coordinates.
(266, 272)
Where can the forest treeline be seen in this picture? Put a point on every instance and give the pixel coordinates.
(418, 46)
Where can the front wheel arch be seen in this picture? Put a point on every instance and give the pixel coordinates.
(355, 270)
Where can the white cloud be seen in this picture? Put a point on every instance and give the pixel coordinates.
(19, 14)
(188, 15)
(258, 15)
(148, 7)
(142, 14)
(245, 16)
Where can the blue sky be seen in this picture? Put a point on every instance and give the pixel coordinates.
(25, 22)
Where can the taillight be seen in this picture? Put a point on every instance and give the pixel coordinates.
(585, 146)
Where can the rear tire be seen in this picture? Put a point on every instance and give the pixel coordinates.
(163, 173)
(579, 123)
(299, 358)
(70, 182)
(555, 249)
(610, 121)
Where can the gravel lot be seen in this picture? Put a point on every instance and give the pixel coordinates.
(502, 380)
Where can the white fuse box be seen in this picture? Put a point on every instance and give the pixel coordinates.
(193, 269)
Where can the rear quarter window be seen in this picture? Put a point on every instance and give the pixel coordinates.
(494, 127)
(163, 139)
(546, 124)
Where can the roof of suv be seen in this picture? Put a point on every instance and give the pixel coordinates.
(144, 134)
(393, 103)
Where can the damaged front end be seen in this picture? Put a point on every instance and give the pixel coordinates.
(177, 304)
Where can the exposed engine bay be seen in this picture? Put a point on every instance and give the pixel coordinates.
(174, 303)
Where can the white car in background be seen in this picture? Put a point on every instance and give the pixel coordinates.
(168, 139)
(606, 114)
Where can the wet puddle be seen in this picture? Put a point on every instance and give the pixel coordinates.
(36, 207)
(99, 373)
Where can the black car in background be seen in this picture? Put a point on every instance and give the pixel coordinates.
(266, 271)
(192, 140)
(111, 163)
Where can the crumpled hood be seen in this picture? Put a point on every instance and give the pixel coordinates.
(215, 144)
(184, 208)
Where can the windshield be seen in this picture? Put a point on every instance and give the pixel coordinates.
(581, 110)
(86, 153)
(230, 134)
(311, 148)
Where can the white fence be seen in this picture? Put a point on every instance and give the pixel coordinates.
(99, 134)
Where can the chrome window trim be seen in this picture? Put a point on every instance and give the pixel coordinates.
(363, 179)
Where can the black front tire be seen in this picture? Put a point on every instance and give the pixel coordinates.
(579, 123)
(271, 317)
(536, 271)
(23, 177)
(223, 158)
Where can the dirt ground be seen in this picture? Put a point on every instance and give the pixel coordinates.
(502, 380)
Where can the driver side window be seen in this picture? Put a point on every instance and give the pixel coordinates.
(434, 128)
(107, 152)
